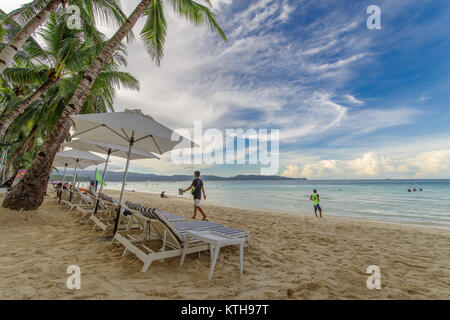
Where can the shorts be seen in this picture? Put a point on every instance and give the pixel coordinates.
(197, 202)
(317, 206)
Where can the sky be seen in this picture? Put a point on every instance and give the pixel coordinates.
(349, 102)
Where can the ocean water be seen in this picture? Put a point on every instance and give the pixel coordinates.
(379, 200)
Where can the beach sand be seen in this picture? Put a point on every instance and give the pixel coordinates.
(291, 257)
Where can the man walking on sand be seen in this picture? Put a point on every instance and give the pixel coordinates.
(197, 189)
(315, 199)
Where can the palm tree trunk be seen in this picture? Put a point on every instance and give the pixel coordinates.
(4, 111)
(22, 148)
(7, 119)
(29, 193)
(8, 53)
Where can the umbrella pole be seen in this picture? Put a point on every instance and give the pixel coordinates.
(64, 174)
(73, 181)
(95, 180)
(116, 225)
(101, 184)
(62, 188)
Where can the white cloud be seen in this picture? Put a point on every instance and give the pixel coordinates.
(317, 115)
(431, 164)
(291, 171)
(353, 100)
(217, 4)
(316, 50)
(423, 99)
(286, 11)
(338, 64)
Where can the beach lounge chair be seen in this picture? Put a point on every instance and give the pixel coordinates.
(77, 199)
(168, 237)
(156, 241)
(87, 207)
(105, 220)
(65, 199)
(182, 224)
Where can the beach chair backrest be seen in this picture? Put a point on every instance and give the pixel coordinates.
(111, 208)
(146, 211)
(107, 198)
(76, 196)
(162, 218)
(165, 233)
(131, 205)
(86, 199)
(144, 222)
(65, 195)
(93, 198)
(172, 217)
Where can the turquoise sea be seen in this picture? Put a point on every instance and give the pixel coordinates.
(380, 200)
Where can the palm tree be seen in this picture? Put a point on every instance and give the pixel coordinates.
(35, 13)
(13, 92)
(26, 143)
(63, 53)
(29, 193)
(42, 115)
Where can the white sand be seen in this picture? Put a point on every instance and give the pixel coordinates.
(292, 256)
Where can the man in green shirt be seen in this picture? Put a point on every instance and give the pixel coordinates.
(315, 199)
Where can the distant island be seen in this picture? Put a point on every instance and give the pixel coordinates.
(138, 177)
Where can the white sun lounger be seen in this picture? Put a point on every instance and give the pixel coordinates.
(105, 220)
(155, 241)
(173, 238)
(87, 207)
(67, 201)
(182, 224)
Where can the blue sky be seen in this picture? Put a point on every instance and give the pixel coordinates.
(349, 102)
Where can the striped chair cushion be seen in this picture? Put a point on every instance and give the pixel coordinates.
(132, 205)
(145, 211)
(107, 198)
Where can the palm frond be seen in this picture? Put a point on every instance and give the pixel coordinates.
(34, 76)
(155, 30)
(26, 12)
(198, 14)
(118, 79)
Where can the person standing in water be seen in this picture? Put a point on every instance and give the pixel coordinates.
(197, 190)
(315, 199)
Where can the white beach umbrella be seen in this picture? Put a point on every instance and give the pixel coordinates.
(131, 129)
(110, 150)
(132, 126)
(76, 159)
